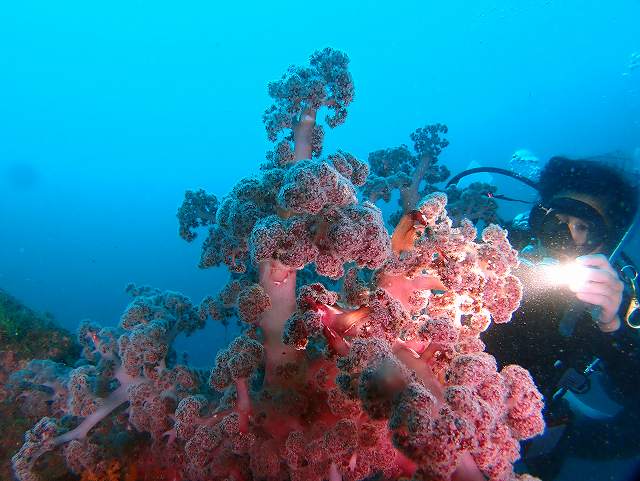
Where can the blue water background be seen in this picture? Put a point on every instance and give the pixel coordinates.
(110, 110)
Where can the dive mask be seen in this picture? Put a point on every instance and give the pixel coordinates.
(549, 222)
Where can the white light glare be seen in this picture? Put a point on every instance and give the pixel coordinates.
(571, 274)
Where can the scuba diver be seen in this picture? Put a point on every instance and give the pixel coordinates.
(578, 337)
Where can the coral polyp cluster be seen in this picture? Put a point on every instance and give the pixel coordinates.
(368, 365)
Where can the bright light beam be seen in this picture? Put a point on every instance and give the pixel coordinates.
(570, 274)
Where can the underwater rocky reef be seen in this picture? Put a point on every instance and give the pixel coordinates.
(360, 356)
(25, 335)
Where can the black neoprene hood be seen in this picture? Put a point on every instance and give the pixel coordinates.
(589, 190)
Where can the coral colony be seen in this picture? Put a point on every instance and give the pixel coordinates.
(360, 356)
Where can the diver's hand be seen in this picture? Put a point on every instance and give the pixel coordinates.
(601, 287)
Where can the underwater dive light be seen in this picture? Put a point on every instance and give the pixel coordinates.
(564, 274)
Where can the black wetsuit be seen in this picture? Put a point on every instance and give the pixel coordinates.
(533, 340)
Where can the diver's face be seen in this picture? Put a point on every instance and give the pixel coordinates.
(570, 233)
(578, 228)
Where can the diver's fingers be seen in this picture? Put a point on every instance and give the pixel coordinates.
(602, 288)
(601, 276)
(581, 287)
(609, 306)
(597, 260)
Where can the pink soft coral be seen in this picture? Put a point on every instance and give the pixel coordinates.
(386, 379)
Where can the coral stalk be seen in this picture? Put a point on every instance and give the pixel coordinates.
(303, 135)
(279, 283)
